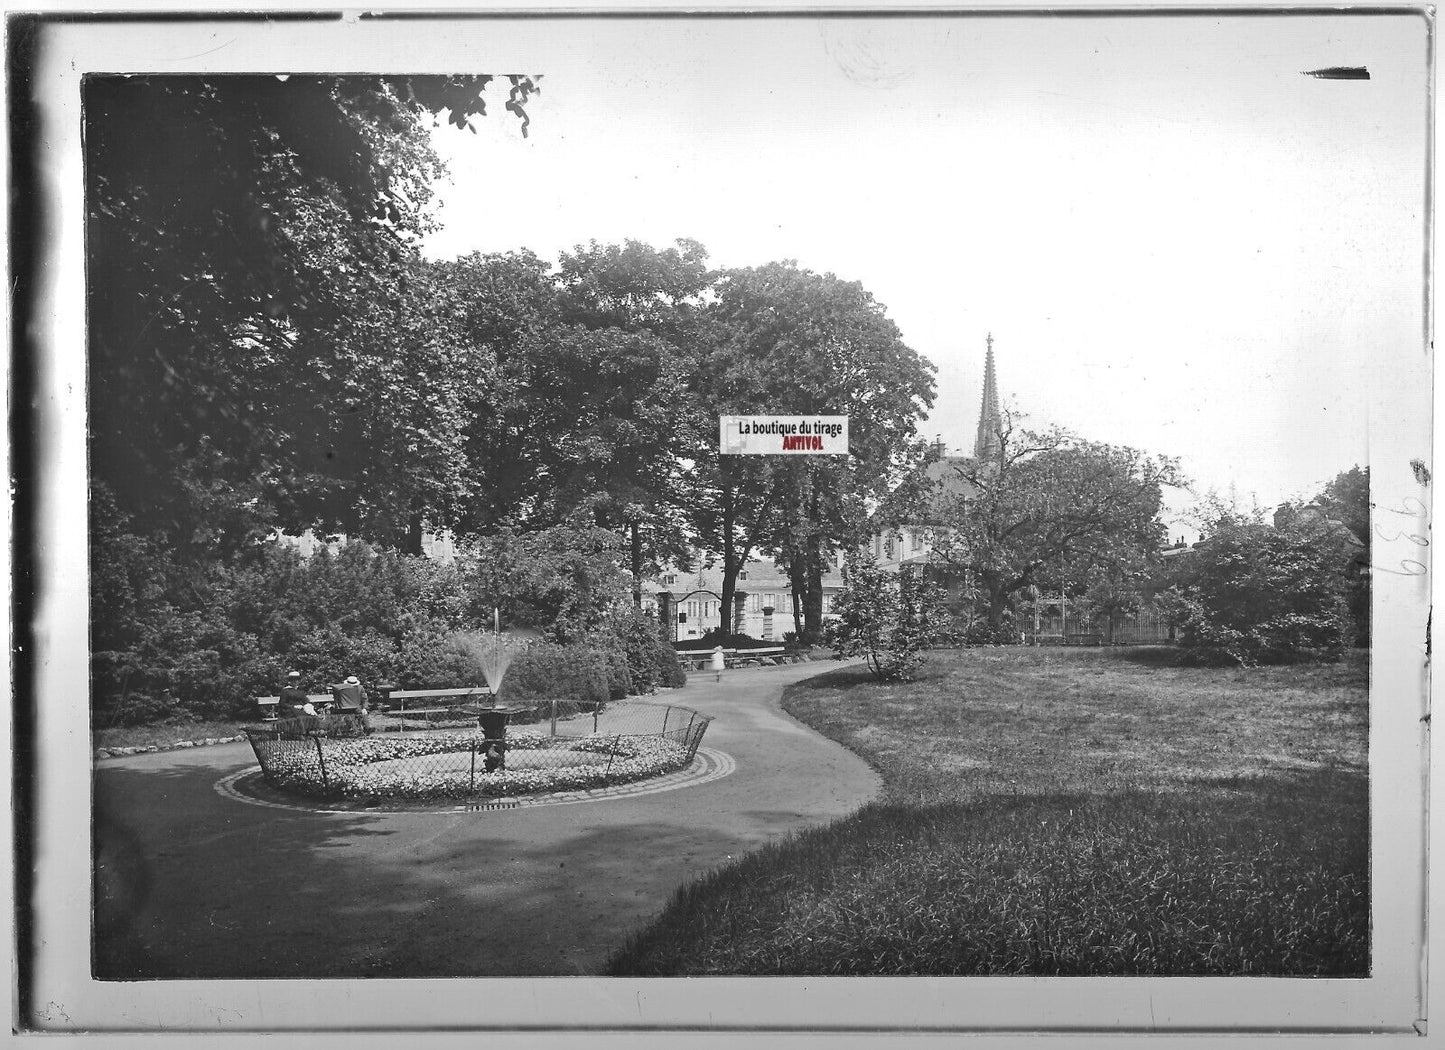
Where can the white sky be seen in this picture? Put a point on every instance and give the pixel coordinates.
(1178, 241)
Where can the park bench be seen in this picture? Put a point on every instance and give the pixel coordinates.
(765, 656)
(1083, 638)
(701, 659)
(455, 697)
(697, 659)
(271, 705)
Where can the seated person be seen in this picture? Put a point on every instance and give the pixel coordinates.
(350, 697)
(294, 702)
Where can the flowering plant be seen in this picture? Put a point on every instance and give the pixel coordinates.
(451, 765)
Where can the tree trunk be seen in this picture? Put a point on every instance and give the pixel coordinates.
(412, 544)
(997, 603)
(813, 569)
(797, 585)
(731, 561)
(813, 608)
(636, 567)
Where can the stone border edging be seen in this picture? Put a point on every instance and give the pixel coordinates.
(709, 765)
(144, 749)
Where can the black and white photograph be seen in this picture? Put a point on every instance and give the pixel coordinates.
(883, 514)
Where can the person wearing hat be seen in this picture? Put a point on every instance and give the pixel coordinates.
(350, 697)
(294, 702)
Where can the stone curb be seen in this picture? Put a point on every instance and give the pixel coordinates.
(121, 752)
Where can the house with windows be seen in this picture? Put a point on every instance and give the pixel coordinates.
(691, 602)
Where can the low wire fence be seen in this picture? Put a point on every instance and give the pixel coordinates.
(561, 748)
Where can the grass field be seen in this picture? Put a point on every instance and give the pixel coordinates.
(1061, 811)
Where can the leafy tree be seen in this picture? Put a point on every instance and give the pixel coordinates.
(1250, 593)
(235, 226)
(887, 618)
(647, 300)
(1346, 500)
(1045, 499)
(385, 448)
(780, 339)
(634, 286)
(562, 581)
(582, 404)
(501, 308)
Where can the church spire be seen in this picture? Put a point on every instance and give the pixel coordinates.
(987, 442)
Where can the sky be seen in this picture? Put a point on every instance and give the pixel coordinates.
(1178, 241)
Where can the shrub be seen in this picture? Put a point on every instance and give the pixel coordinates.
(888, 618)
(717, 636)
(464, 659)
(205, 637)
(649, 659)
(547, 671)
(980, 632)
(1250, 593)
(613, 660)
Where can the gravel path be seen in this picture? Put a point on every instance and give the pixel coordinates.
(193, 882)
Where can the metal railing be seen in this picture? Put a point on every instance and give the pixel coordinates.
(545, 749)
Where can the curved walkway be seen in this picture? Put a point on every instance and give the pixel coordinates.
(193, 882)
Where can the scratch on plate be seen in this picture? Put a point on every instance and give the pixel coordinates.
(203, 54)
(1339, 73)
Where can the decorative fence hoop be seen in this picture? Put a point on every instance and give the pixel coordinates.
(589, 746)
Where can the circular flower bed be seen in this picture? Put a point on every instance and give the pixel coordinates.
(453, 764)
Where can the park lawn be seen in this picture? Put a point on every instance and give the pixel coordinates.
(1060, 811)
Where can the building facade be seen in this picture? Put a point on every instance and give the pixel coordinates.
(690, 603)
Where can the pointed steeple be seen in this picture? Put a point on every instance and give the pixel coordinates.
(987, 442)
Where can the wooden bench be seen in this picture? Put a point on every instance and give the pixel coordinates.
(271, 705)
(701, 659)
(772, 655)
(399, 697)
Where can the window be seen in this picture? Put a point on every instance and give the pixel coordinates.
(918, 541)
(669, 579)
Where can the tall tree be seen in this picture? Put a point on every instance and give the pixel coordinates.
(504, 310)
(1047, 499)
(233, 223)
(645, 303)
(786, 340)
(582, 406)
